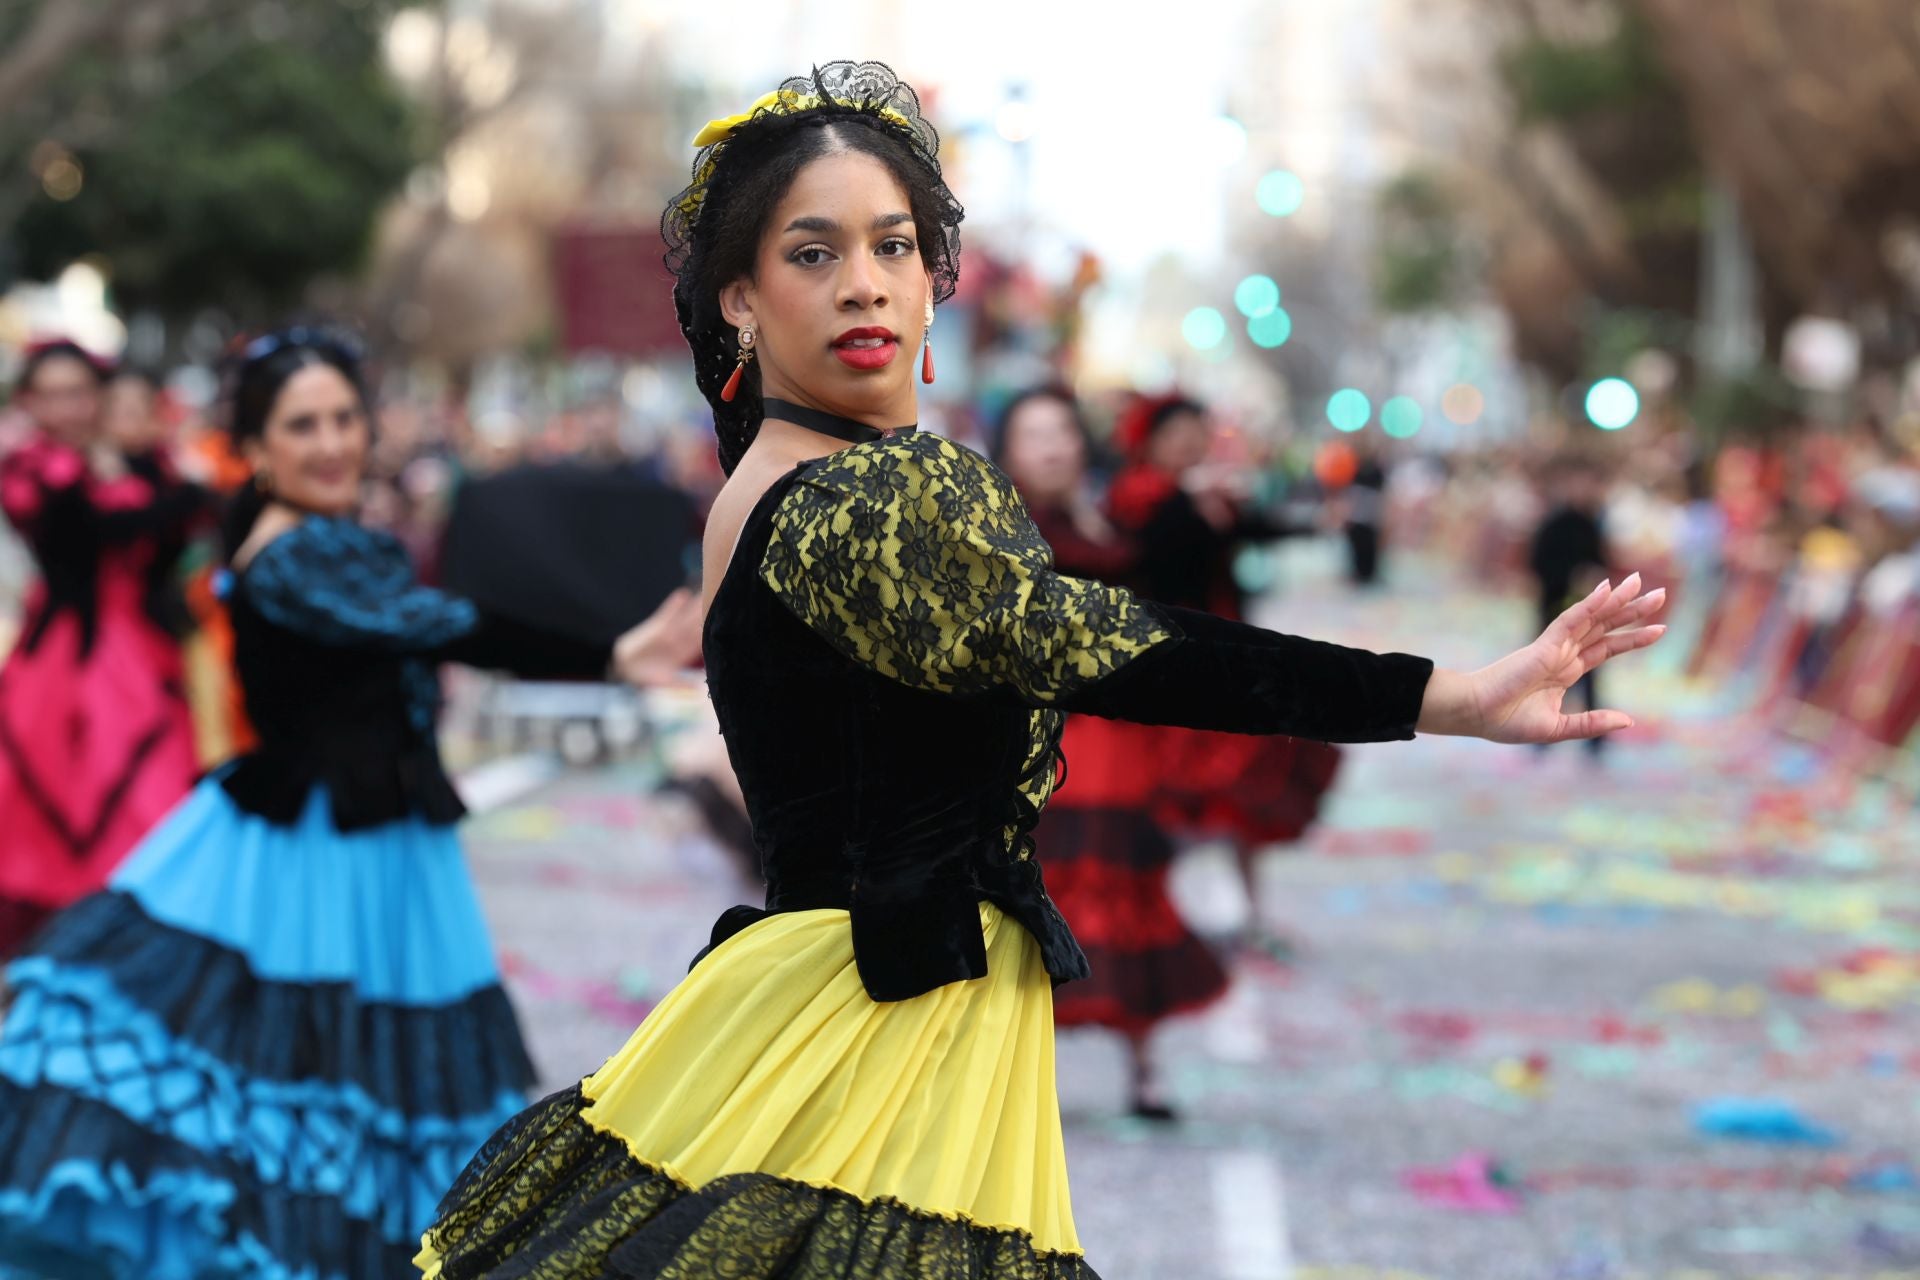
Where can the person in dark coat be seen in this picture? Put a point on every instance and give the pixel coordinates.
(1568, 554)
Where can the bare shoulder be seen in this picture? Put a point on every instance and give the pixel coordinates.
(274, 523)
(731, 507)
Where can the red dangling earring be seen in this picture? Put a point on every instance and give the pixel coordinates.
(926, 354)
(732, 389)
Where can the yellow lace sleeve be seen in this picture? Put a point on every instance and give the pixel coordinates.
(916, 558)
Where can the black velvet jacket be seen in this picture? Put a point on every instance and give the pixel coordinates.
(335, 641)
(891, 655)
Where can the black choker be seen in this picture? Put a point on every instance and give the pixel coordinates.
(827, 424)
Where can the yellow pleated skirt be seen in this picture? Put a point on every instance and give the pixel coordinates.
(772, 1059)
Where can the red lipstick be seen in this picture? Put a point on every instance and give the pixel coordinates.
(869, 347)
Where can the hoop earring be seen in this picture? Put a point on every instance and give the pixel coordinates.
(926, 349)
(732, 389)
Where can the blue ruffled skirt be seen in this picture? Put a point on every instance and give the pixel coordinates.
(263, 1052)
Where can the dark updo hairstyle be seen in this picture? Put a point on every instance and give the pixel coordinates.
(45, 353)
(1144, 418)
(256, 375)
(1003, 426)
(714, 227)
(1169, 409)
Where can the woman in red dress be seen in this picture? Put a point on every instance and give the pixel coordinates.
(1107, 856)
(96, 742)
(1189, 527)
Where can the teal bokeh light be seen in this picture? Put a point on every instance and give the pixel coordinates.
(1280, 193)
(1204, 328)
(1348, 409)
(1400, 417)
(1612, 403)
(1271, 329)
(1256, 295)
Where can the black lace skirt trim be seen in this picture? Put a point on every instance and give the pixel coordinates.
(446, 1060)
(56, 1147)
(551, 1197)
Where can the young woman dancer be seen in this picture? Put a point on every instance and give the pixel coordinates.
(1107, 854)
(1251, 791)
(857, 1080)
(96, 740)
(267, 1048)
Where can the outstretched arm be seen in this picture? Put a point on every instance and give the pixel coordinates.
(1519, 698)
(919, 564)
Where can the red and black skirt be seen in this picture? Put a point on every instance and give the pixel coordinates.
(1107, 860)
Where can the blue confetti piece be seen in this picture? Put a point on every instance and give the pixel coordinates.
(1760, 1120)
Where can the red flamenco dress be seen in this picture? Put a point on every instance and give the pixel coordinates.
(1254, 791)
(1107, 856)
(96, 742)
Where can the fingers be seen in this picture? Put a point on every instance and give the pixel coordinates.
(1631, 616)
(666, 642)
(1612, 608)
(678, 604)
(1605, 602)
(1622, 606)
(1574, 623)
(1619, 642)
(681, 610)
(1592, 724)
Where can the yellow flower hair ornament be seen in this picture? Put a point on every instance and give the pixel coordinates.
(779, 102)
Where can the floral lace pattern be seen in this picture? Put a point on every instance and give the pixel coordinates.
(915, 557)
(553, 1198)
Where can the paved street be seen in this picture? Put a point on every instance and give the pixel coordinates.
(1547, 1021)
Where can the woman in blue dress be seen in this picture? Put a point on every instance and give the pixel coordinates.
(269, 1045)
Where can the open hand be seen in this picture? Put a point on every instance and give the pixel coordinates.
(1519, 698)
(659, 650)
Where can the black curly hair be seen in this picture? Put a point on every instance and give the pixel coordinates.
(713, 228)
(256, 374)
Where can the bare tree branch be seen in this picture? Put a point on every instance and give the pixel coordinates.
(58, 31)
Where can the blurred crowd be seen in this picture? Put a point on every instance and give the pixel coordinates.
(1793, 564)
(1804, 533)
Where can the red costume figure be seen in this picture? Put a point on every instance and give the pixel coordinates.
(1189, 526)
(1107, 856)
(96, 742)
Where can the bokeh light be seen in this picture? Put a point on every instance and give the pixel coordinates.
(1270, 329)
(1255, 570)
(1225, 141)
(1612, 403)
(1280, 193)
(1335, 464)
(1348, 409)
(1463, 404)
(63, 179)
(1204, 328)
(1256, 295)
(1400, 417)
